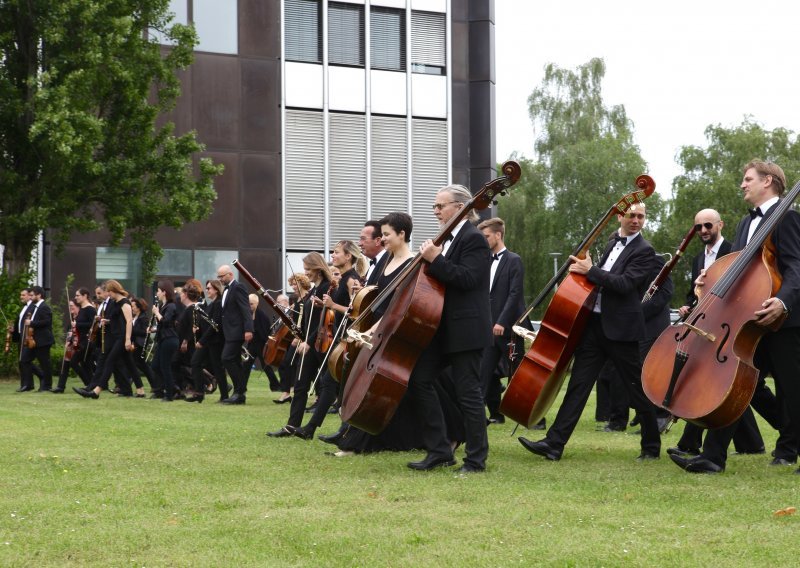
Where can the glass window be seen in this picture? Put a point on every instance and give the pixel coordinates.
(387, 39)
(216, 22)
(175, 262)
(345, 34)
(206, 263)
(428, 38)
(180, 12)
(303, 29)
(121, 264)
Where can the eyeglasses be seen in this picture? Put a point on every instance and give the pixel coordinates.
(700, 226)
(440, 206)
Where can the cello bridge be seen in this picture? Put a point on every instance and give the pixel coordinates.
(704, 334)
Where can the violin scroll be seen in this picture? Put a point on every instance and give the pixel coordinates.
(498, 186)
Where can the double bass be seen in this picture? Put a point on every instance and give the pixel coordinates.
(701, 369)
(379, 376)
(540, 374)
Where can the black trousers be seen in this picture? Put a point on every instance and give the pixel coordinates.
(328, 390)
(287, 370)
(146, 370)
(28, 369)
(778, 354)
(592, 353)
(162, 364)
(119, 361)
(494, 366)
(305, 377)
(466, 373)
(232, 361)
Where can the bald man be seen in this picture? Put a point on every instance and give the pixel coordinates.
(709, 228)
(237, 327)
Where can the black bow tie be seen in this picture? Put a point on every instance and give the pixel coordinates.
(497, 255)
(372, 262)
(618, 239)
(755, 212)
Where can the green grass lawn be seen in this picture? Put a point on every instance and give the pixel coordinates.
(132, 482)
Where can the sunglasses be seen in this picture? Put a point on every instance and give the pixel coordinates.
(700, 226)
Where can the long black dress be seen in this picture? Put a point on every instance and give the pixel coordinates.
(403, 433)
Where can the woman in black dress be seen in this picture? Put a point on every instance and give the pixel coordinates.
(288, 366)
(166, 339)
(141, 319)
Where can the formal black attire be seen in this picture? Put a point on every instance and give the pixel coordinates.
(139, 335)
(116, 356)
(236, 321)
(778, 352)
(288, 366)
(261, 325)
(507, 303)
(464, 332)
(308, 367)
(182, 359)
(376, 267)
(42, 324)
(166, 346)
(613, 334)
(209, 356)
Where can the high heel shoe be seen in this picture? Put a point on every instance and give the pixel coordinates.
(195, 398)
(282, 400)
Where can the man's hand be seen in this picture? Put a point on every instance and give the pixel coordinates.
(429, 251)
(498, 329)
(248, 336)
(580, 266)
(772, 310)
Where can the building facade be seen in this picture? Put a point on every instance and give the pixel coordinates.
(324, 114)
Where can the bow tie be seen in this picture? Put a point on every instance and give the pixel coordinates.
(497, 256)
(372, 262)
(618, 239)
(755, 212)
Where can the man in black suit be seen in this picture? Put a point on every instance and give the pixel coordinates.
(237, 327)
(708, 225)
(779, 351)
(462, 265)
(613, 332)
(18, 335)
(40, 319)
(506, 300)
(370, 241)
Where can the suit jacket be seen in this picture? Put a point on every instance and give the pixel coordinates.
(42, 324)
(378, 270)
(236, 316)
(697, 266)
(656, 310)
(466, 318)
(786, 238)
(621, 288)
(139, 330)
(506, 294)
(209, 335)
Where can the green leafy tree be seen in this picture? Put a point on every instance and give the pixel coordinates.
(585, 161)
(711, 178)
(81, 88)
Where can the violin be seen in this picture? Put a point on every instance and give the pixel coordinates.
(379, 376)
(701, 369)
(7, 347)
(327, 323)
(30, 342)
(536, 382)
(347, 349)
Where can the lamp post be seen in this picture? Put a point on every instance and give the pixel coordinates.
(555, 256)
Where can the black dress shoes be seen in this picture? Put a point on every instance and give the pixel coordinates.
(304, 432)
(331, 438)
(24, 389)
(613, 427)
(86, 393)
(697, 464)
(540, 448)
(678, 451)
(470, 469)
(285, 432)
(282, 400)
(644, 456)
(541, 425)
(781, 461)
(432, 462)
(754, 452)
(235, 399)
(57, 390)
(195, 398)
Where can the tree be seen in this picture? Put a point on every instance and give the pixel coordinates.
(586, 161)
(711, 178)
(81, 88)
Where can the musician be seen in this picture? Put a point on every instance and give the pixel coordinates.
(310, 359)
(778, 352)
(70, 344)
(117, 323)
(506, 298)
(39, 317)
(462, 265)
(613, 332)
(237, 328)
(709, 225)
(18, 334)
(288, 367)
(166, 339)
(256, 347)
(209, 346)
(139, 335)
(370, 242)
(187, 328)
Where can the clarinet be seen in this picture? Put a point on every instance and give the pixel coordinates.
(145, 354)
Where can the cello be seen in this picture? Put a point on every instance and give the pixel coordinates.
(701, 369)
(540, 374)
(379, 375)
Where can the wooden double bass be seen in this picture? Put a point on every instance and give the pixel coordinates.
(539, 376)
(379, 376)
(701, 369)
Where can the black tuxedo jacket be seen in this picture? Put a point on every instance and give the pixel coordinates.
(236, 318)
(786, 238)
(210, 336)
(466, 319)
(697, 266)
(378, 270)
(506, 294)
(621, 288)
(656, 310)
(42, 324)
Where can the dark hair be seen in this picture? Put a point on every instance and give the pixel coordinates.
(141, 303)
(169, 289)
(376, 228)
(399, 221)
(217, 285)
(83, 292)
(193, 289)
(38, 290)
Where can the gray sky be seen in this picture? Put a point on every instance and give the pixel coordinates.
(676, 66)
